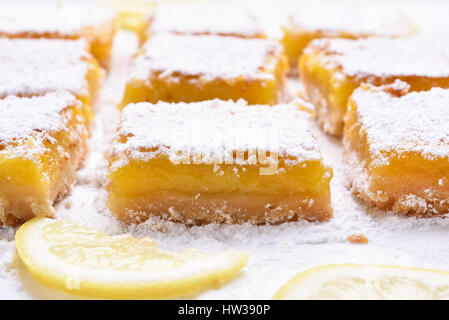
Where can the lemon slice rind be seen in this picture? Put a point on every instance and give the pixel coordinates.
(371, 282)
(57, 273)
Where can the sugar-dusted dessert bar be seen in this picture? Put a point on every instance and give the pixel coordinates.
(97, 26)
(36, 66)
(332, 68)
(397, 148)
(206, 19)
(42, 143)
(217, 161)
(175, 68)
(337, 21)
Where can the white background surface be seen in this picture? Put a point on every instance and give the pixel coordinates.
(277, 252)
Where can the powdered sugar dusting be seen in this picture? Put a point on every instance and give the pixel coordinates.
(215, 129)
(21, 117)
(361, 20)
(31, 67)
(272, 15)
(416, 122)
(198, 19)
(209, 57)
(67, 20)
(385, 57)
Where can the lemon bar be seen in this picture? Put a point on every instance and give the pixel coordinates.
(337, 21)
(175, 68)
(206, 19)
(65, 22)
(397, 148)
(217, 161)
(42, 143)
(332, 68)
(36, 66)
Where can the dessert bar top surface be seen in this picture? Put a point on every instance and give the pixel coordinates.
(385, 57)
(206, 19)
(23, 117)
(208, 57)
(359, 20)
(63, 21)
(216, 128)
(415, 122)
(37, 66)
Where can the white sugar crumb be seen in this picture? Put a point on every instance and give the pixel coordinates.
(415, 122)
(412, 202)
(8, 253)
(214, 129)
(37, 66)
(208, 57)
(397, 88)
(361, 20)
(22, 117)
(385, 57)
(197, 19)
(62, 21)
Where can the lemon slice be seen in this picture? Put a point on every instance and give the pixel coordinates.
(132, 14)
(82, 261)
(351, 281)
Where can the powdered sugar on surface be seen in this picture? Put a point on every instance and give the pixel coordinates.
(384, 57)
(361, 19)
(277, 252)
(416, 122)
(63, 21)
(206, 19)
(32, 67)
(159, 129)
(21, 117)
(271, 15)
(208, 57)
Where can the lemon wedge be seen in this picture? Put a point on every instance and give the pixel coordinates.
(66, 256)
(133, 15)
(351, 281)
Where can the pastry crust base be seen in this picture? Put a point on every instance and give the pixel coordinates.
(226, 207)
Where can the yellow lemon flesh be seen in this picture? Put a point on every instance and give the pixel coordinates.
(73, 258)
(132, 15)
(370, 282)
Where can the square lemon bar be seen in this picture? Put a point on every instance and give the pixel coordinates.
(42, 143)
(332, 68)
(96, 25)
(217, 161)
(397, 148)
(310, 22)
(175, 68)
(31, 67)
(206, 19)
